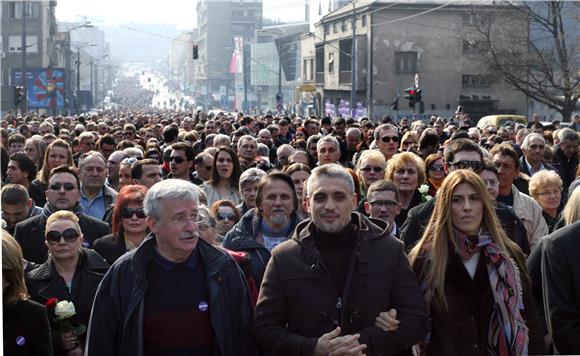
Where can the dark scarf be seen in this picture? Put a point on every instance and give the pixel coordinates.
(48, 210)
(508, 333)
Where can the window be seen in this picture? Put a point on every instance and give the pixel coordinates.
(326, 29)
(363, 20)
(406, 62)
(15, 10)
(343, 25)
(15, 44)
(331, 62)
(470, 80)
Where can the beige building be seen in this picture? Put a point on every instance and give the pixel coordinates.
(181, 62)
(398, 43)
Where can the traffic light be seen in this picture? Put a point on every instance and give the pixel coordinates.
(18, 95)
(194, 51)
(410, 95)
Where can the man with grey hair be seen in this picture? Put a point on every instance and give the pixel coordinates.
(353, 139)
(328, 150)
(143, 306)
(222, 140)
(113, 165)
(532, 161)
(248, 154)
(96, 196)
(282, 154)
(319, 294)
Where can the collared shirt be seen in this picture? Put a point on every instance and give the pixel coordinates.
(531, 170)
(168, 265)
(95, 207)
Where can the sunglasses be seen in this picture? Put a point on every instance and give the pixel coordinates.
(66, 186)
(230, 217)
(435, 168)
(387, 139)
(476, 166)
(177, 159)
(374, 169)
(69, 235)
(128, 213)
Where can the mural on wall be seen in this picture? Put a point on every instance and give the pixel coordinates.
(44, 87)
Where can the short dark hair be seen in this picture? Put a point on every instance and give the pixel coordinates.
(182, 146)
(16, 138)
(170, 134)
(459, 145)
(137, 167)
(384, 186)
(106, 140)
(505, 149)
(66, 169)
(14, 194)
(270, 177)
(25, 163)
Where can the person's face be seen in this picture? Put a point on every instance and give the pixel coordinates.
(179, 165)
(388, 143)
(210, 127)
(57, 194)
(148, 135)
(57, 156)
(15, 174)
(125, 177)
(299, 179)
(283, 156)
(249, 192)
(225, 165)
(300, 135)
(15, 213)
(406, 177)
(86, 144)
(225, 219)
(507, 170)
(102, 129)
(491, 183)
(176, 230)
(383, 205)
(16, 147)
(299, 157)
(312, 129)
(535, 151)
(32, 151)
(106, 150)
(248, 150)
(569, 148)
(436, 170)
(93, 173)
(462, 156)
(408, 144)
(206, 231)
(151, 175)
(466, 209)
(330, 204)
(353, 140)
(283, 130)
(277, 203)
(439, 129)
(134, 224)
(549, 197)
(371, 172)
(45, 130)
(265, 138)
(312, 150)
(203, 169)
(327, 152)
(339, 129)
(63, 250)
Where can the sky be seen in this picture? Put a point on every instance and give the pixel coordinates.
(181, 13)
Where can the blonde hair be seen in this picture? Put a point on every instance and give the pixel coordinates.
(571, 212)
(432, 249)
(412, 135)
(372, 156)
(543, 179)
(64, 215)
(401, 159)
(13, 270)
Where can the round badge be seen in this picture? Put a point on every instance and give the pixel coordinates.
(202, 306)
(20, 340)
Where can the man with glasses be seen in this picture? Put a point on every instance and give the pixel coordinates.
(461, 153)
(181, 161)
(63, 193)
(142, 305)
(383, 202)
(387, 140)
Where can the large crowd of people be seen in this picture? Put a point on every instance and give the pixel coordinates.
(178, 233)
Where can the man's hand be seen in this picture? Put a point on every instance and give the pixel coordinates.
(388, 320)
(322, 345)
(346, 345)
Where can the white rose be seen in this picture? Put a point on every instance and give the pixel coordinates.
(64, 310)
(423, 189)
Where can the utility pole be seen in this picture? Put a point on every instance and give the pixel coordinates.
(353, 63)
(78, 106)
(23, 103)
(92, 83)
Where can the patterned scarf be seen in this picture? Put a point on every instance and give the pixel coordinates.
(48, 210)
(508, 333)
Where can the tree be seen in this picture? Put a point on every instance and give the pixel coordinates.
(541, 59)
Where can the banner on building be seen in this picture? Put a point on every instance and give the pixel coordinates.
(44, 87)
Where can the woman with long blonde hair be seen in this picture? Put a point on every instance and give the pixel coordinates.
(474, 279)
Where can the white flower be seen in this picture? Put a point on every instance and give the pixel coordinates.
(428, 197)
(64, 310)
(423, 189)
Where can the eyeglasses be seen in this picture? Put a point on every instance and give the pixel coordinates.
(69, 235)
(435, 168)
(229, 217)
(374, 169)
(387, 139)
(67, 186)
(476, 166)
(387, 203)
(177, 159)
(184, 219)
(128, 213)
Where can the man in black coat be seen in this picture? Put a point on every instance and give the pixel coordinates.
(561, 282)
(62, 194)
